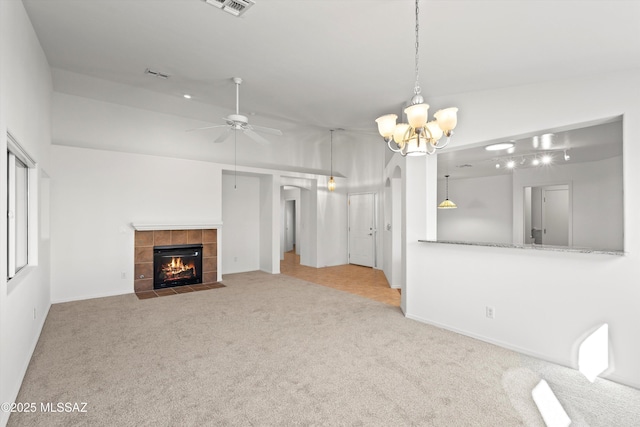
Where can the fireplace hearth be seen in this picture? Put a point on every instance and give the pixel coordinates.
(177, 265)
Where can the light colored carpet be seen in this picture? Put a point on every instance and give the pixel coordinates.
(272, 350)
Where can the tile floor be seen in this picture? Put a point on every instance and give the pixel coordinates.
(364, 281)
(178, 290)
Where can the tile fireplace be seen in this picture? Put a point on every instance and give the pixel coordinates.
(181, 269)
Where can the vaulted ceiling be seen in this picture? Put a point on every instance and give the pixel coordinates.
(334, 63)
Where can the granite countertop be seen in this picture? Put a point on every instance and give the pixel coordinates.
(530, 246)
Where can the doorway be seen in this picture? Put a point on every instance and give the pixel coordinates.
(290, 225)
(548, 217)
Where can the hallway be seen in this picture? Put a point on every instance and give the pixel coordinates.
(363, 281)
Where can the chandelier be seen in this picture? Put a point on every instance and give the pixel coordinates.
(418, 137)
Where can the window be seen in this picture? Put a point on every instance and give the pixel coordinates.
(18, 165)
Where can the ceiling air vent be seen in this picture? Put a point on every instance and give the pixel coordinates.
(234, 7)
(156, 74)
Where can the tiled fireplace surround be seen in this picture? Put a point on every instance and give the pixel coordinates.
(146, 240)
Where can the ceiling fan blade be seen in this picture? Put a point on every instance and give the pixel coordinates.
(257, 138)
(270, 131)
(223, 136)
(206, 127)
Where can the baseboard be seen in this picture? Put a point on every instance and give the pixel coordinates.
(92, 296)
(518, 349)
(499, 343)
(4, 416)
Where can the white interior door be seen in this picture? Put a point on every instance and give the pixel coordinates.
(362, 229)
(555, 216)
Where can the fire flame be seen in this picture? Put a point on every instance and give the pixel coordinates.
(177, 269)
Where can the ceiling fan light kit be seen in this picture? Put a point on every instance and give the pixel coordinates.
(419, 136)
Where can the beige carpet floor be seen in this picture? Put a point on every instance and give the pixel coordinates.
(272, 350)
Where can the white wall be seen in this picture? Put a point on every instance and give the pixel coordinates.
(597, 200)
(270, 224)
(95, 197)
(81, 121)
(485, 210)
(332, 226)
(25, 105)
(450, 285)
(241, 223)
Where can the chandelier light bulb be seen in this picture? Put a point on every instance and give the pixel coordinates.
(535, 162)
(386, 125)
(417, 115)
(401, 133)
(434, 133)
(447, 119)
(511, 164)
(546, 159)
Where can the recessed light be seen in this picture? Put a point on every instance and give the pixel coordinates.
(187, 96)
(499, 146)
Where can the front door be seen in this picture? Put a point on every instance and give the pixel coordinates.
(362, 229)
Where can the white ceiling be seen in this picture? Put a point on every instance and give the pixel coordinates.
(333, 63)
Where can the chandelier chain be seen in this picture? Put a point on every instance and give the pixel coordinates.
(417, 89)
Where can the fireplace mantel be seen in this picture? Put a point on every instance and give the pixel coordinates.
(141, 226)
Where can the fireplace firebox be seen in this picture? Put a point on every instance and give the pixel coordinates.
(177, 265)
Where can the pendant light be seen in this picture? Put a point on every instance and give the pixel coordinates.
(446, 203)
(418, 137)
(332, 182)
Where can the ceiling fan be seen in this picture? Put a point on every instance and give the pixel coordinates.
(235, 122)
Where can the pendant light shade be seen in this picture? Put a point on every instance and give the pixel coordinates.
(446, 203)
(332, 184)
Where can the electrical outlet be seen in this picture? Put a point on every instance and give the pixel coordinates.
(490, 312)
